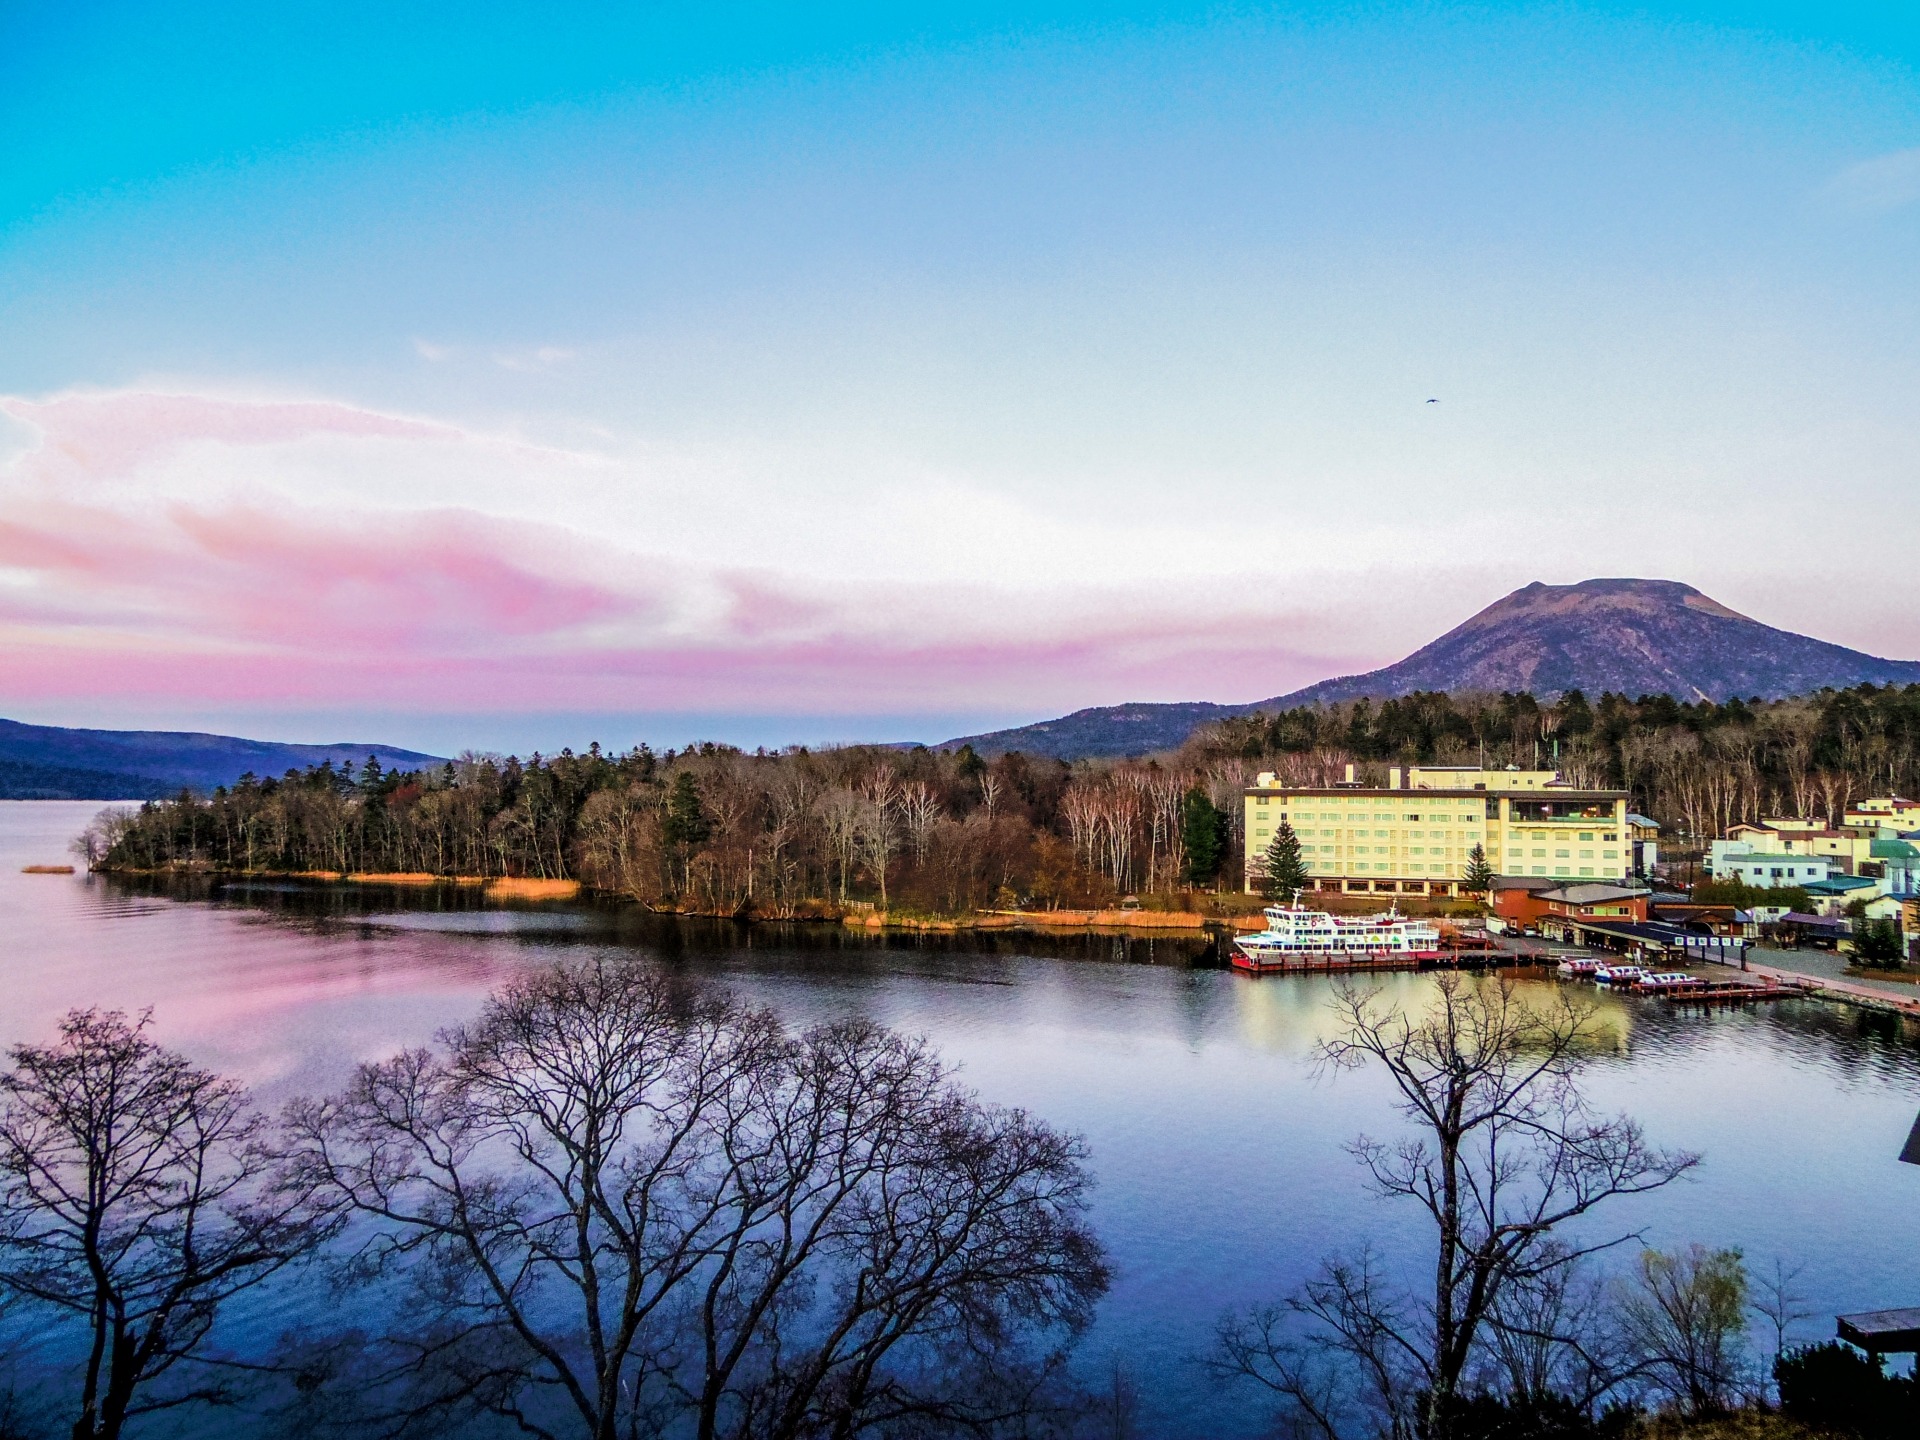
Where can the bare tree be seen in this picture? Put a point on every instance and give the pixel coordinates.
(622, 1203)
(1558, 1337)
(136, 1197)
(840, 820)
(1782, 1303)
(877, 832)
(103, 832)
(1687, 1314)
(990, 788)
(1503, 1154)
(919, 808)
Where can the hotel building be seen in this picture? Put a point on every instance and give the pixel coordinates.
(1414, 836)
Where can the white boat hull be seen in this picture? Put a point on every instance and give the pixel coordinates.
(1301, 939)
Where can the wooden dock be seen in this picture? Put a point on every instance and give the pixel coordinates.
(1735, 992)
(1451, 959)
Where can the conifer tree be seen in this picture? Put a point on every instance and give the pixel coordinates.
(1479, 876)
(684, 824)
(1203, 834)
(1282, 870)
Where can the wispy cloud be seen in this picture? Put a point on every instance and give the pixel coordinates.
(130, 574)
(1876, 186)
(524, 360)
(540, 357)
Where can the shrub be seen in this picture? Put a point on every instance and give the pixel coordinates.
(1834, 1387)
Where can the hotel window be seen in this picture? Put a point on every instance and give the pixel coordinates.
(1560, 855)
(1539, 854)
(1586, 869)
(1586, 854)
(1609, 854)
(1586, 836)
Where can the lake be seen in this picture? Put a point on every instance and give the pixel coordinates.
(1217, 1146)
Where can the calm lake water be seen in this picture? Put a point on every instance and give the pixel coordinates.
(1218, 1149)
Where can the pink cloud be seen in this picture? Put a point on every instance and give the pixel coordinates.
(437, 581)
(262, 601)
(114, 432)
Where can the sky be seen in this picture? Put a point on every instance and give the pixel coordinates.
(509, 376)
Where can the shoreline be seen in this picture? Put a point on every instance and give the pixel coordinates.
(857, 915)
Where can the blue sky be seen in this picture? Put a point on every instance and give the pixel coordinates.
(777, 372)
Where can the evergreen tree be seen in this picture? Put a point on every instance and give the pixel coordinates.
(1282, 871)
(685, 821)
(1479, 876)
(1203, 834)
(684, 825)
(1877, 944)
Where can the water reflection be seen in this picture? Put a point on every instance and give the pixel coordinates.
(1219, 1151)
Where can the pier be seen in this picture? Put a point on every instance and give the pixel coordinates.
(1737, 992)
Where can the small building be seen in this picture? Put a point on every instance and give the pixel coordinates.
(1726, 920)
(1799, 928)
(1830, 897)
(1731, 860)
(1885, 907)
(1522, 901)
(1885, 816)
(1897, 864)
(1643, 836)
(1843, 849)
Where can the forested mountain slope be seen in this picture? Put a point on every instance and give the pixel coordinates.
(1631, 637)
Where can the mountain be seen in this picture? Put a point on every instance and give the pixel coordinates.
(1108, 730)
(1638, 637)
(47, 762)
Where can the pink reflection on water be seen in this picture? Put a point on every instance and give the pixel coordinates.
(289, 1007)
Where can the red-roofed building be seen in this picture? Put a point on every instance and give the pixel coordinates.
(1525, 902)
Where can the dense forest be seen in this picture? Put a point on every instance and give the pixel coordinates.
(949, 831)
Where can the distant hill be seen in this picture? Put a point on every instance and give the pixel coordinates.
(1638, 637)
(21, 780)
(1108, 730)
(47, 762)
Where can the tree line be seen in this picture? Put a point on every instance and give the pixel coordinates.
(717, 829)
(785, 834)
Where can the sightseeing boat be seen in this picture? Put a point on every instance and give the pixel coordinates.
(1297, 938)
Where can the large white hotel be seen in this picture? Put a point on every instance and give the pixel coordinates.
(1416, 834)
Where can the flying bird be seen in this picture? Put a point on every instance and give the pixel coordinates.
(1433, 402)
